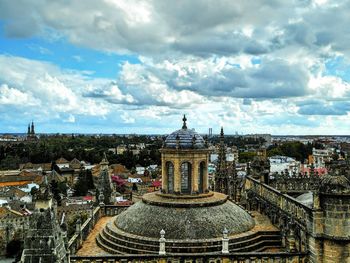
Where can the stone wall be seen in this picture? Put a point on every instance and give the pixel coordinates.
(12, 228)
(325, 225)
(336, 211)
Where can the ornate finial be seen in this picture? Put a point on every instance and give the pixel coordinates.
(222, 131)
(184, 126)
(225, 232)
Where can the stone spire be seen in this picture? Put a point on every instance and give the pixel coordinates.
(222, 152)
(43, 198)
(221, 175)
(32, 129)
(44, 241)
(28, 132)
(104, 163)
(184, 126)
(106, 186)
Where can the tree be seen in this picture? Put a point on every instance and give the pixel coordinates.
(297, 150)
(10, 162)
(56, 192)
(34, 191)
(245, 157)
(80, 187)
(89, 179)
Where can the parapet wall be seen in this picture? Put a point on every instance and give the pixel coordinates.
(336, 213)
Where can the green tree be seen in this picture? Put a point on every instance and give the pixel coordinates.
(56, 192)
(245, 157)
(80, 187)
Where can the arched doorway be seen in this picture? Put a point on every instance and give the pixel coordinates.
(186, 174)
(201, 171)
(170, 176)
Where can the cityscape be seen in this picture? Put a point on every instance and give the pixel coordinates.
(174, 131)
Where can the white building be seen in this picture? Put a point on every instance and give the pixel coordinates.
(282, 163)
(140, 170)
(320, 157)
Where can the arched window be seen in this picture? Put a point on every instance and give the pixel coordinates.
(170, 176)
(201, 171)
(186, 170)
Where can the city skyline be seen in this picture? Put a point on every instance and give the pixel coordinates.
(138, 66)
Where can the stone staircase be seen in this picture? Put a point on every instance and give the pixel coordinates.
(115, 241)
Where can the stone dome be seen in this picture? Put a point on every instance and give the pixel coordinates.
(185, 139)
(202, 218)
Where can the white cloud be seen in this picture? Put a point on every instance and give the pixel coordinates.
(126, 118)
(12, 96)
(37, 83)
(70, 119)
(249, 65)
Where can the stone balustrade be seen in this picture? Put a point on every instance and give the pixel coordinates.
(295, 183)
(79, 237)
(247, 257)
(291, 207)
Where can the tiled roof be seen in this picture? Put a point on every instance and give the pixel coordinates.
(186, 138)
(61, 161)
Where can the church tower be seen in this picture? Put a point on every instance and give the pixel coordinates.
(223, 176)
(32, 132)
(106, 186)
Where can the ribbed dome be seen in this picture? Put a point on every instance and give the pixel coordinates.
(185, 139)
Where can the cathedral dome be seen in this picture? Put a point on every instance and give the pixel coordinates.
(184, 139)
(197, 218)
(192, 217)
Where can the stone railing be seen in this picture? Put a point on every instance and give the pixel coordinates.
(295, 183)
(113, 210)
(83, 231)
(283, 202)
(17, 221)
(247, 257)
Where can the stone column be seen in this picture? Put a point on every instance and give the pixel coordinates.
(195, 168)
(291, 241)
(177, 175)
(79, 233)
(162, 243)
(205, 176)
(164, 176)
(225, 240)
(316, 200)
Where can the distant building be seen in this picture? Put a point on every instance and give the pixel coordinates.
(266, 137)
(121, 149)
(320, 157)
(31, 133)
(284, 163)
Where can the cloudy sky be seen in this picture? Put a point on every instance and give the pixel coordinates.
(113, 66)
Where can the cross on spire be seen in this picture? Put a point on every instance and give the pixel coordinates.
(184, 126)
